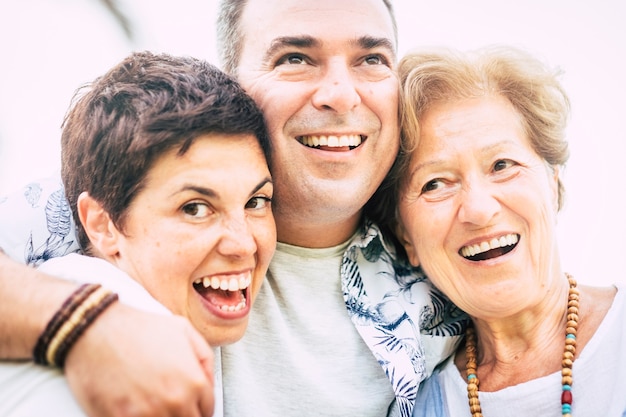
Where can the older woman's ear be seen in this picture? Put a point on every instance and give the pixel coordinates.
(102, 233)
(409, 247)
(556, 197)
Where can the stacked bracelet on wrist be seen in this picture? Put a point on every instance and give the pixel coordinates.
(69, 322)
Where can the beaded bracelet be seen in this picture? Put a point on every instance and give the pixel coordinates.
(78, 311)
(69, 305)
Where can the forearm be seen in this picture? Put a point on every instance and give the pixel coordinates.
(29, 298)
(152, 365)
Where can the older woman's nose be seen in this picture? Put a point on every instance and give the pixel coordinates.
(478, 205)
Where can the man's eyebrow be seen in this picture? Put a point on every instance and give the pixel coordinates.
(290, 41)
(371, 42)
(306, 41)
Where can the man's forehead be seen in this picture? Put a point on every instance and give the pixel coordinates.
(364, 42)
(318, 20)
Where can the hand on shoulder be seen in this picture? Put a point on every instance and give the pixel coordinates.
(132, 363)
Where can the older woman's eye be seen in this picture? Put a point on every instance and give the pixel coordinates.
(502, 164)
(432, 185)
(196, 209)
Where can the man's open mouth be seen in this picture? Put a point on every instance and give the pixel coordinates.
(226, 292)
(331, 142)
(490, 249)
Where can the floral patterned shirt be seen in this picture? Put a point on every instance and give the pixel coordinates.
(407, 323)
(36, 223)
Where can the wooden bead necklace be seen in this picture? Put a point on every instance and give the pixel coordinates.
(566, 363)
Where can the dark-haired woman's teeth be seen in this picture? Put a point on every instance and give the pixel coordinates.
(226, 282)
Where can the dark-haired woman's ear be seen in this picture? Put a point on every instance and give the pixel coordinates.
(102, 233)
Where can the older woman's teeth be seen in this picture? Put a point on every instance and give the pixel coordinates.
(495, 243)
(331, 141)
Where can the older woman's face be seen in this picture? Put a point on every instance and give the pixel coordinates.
(200, 235)
(479, 210)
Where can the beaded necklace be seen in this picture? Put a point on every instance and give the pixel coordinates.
(566, 363)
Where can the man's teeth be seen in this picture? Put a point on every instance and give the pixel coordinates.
(332, 141)
(495, 243)
(226, 283)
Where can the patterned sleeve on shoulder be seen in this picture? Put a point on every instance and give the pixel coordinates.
(36, 222)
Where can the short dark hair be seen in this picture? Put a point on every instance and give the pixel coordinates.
(146, 105)
(230, 36)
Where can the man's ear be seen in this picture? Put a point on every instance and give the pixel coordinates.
(404, 239)
(101, 231)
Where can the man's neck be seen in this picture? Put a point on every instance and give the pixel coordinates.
(312, 234)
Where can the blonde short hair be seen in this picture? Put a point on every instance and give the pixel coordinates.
(432, 76)
(532, 88)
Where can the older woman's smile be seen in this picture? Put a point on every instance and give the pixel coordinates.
(489, 249)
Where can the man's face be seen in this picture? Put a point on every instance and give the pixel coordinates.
(323, 72)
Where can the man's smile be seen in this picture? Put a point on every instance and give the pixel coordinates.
(331, 142)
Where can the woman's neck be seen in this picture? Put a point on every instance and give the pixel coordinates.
(529, 345)
(522, 346)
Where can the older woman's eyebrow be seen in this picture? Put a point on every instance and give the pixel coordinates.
(490, 148)
(419, 167)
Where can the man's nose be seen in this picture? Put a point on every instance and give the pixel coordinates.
(337, 89)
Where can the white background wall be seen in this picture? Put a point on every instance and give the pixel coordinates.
(49, 48)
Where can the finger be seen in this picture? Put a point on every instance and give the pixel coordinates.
(205, 357)
(206, 404)
(203, 352)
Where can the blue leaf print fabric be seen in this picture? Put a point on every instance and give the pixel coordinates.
(36, 223)
(408, 324)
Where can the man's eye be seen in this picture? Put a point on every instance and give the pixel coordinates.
(374, 60)
(258, 203)
(292, 59)
(196, 209)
